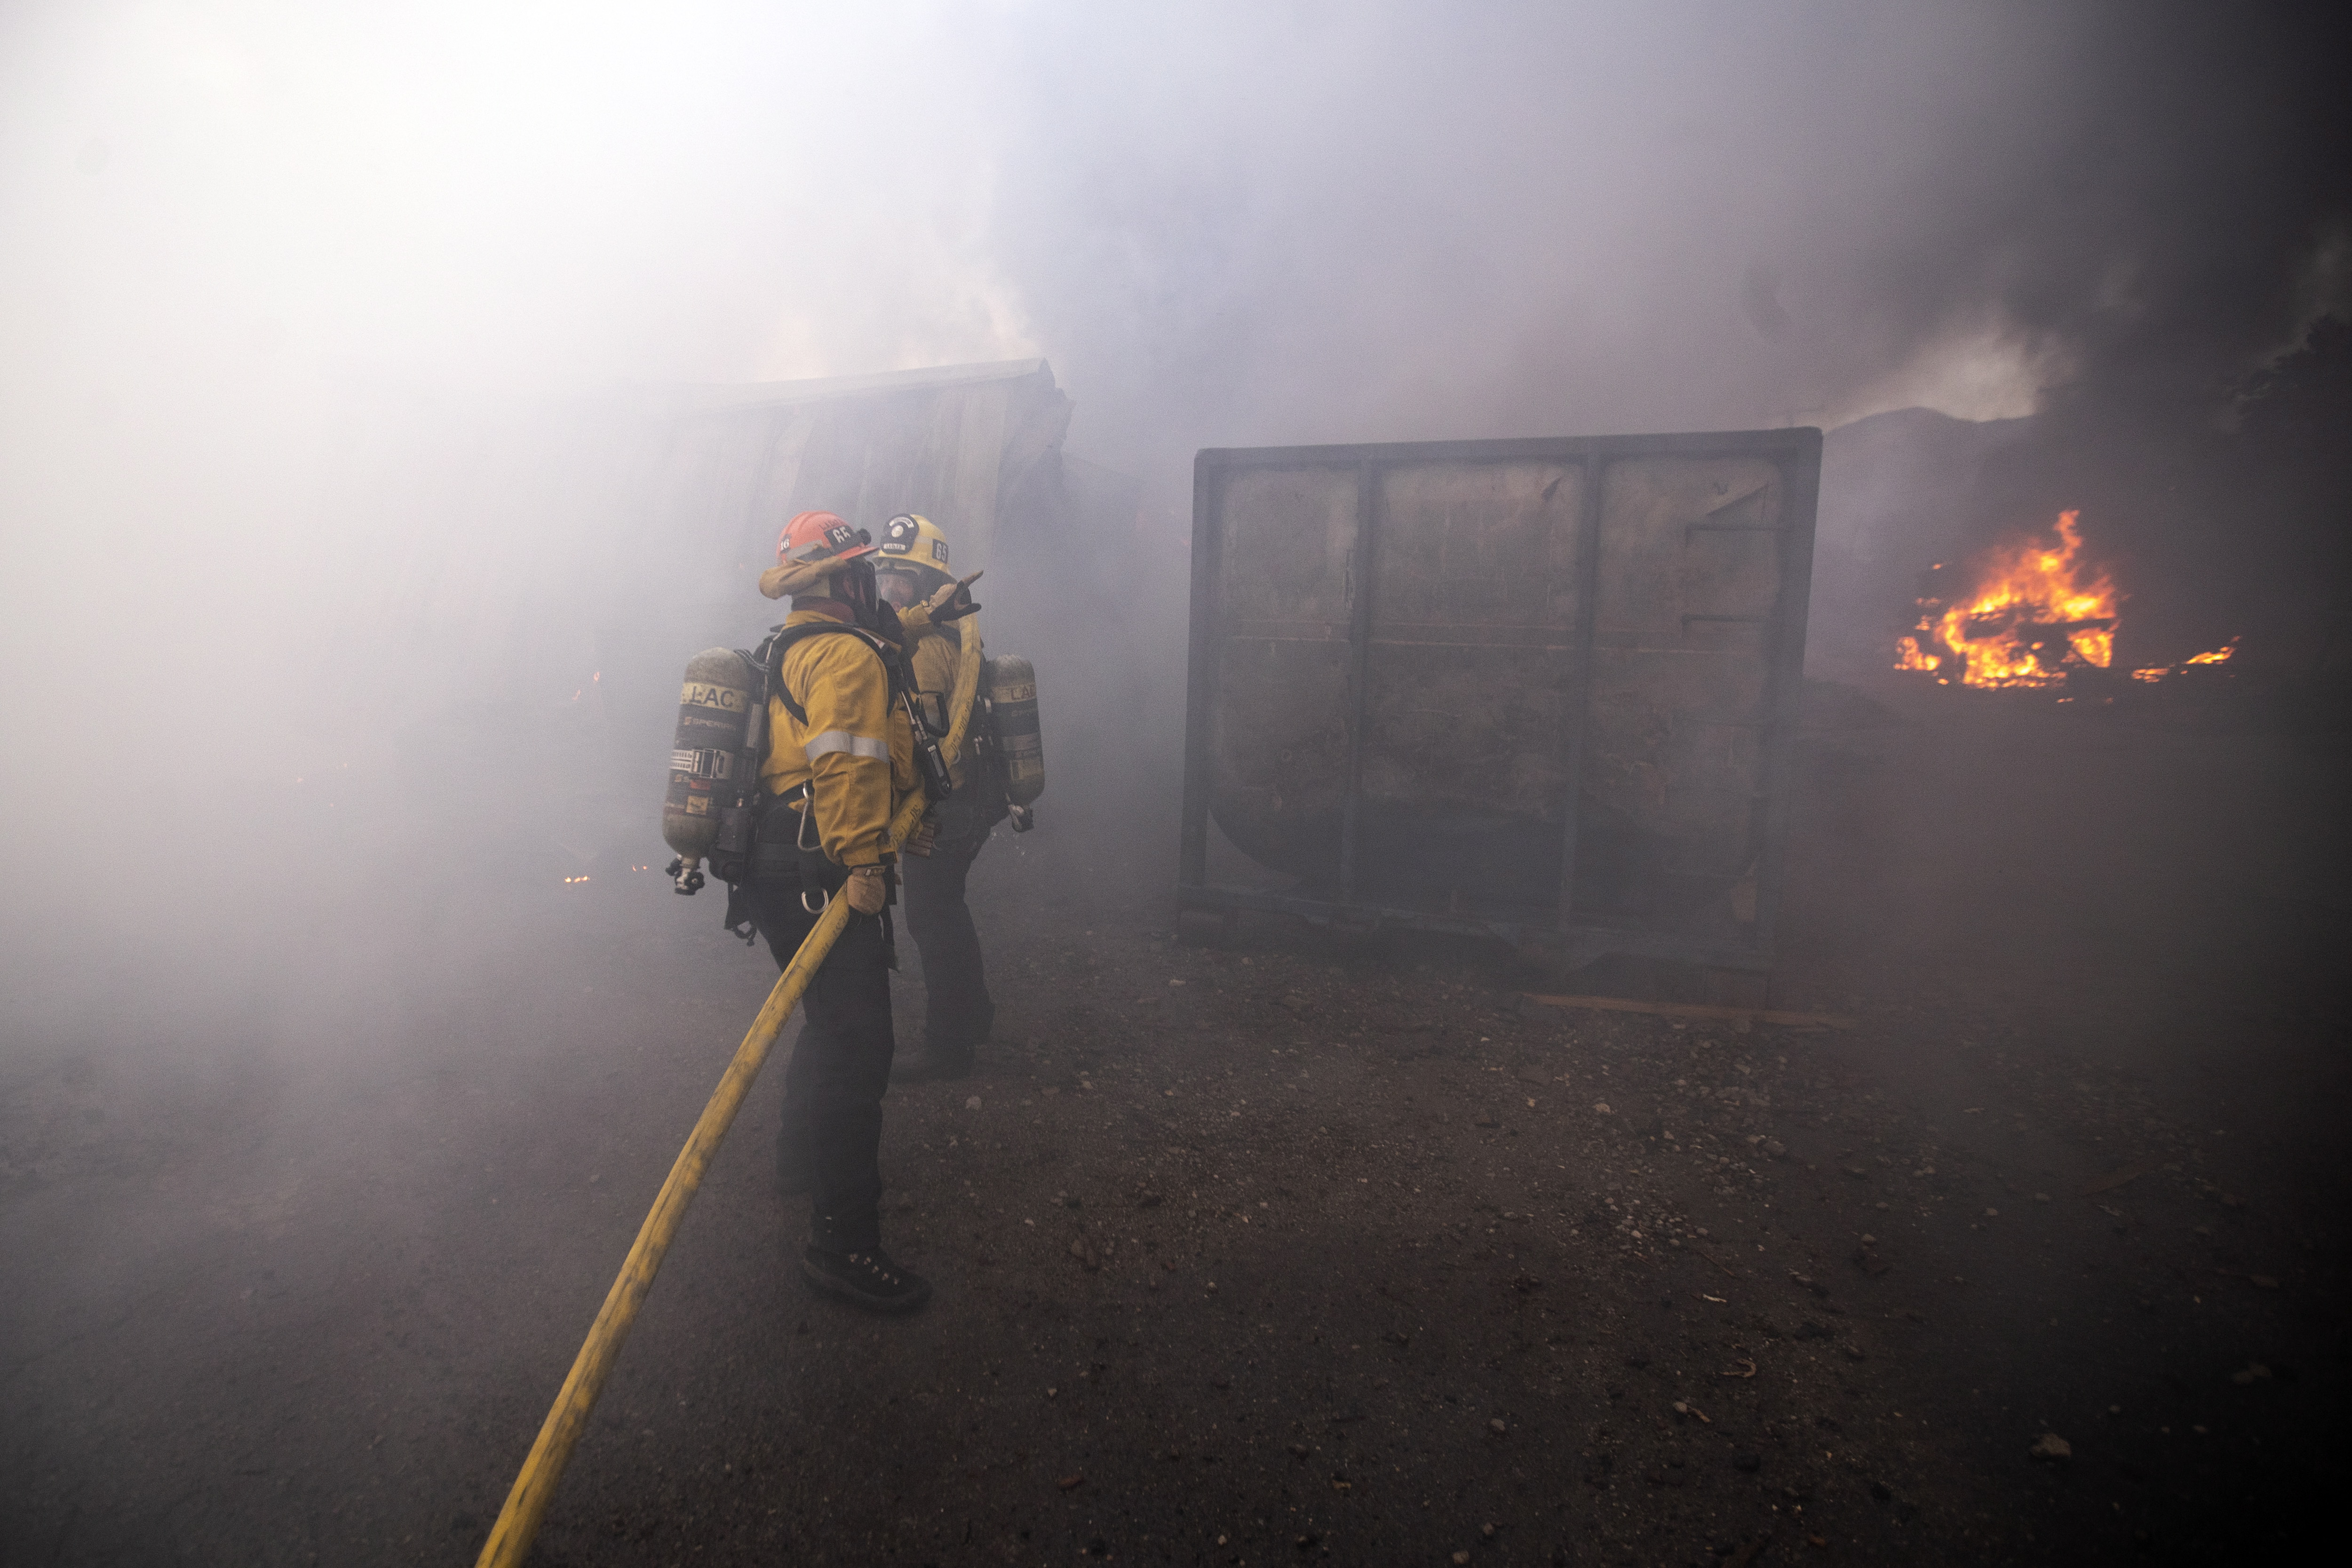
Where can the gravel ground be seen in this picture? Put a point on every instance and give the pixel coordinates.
(1300, 1250)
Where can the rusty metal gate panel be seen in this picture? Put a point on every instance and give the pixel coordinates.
(1539, 688)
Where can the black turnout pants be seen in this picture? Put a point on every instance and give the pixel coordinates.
(832, 1134)
(957, 1012)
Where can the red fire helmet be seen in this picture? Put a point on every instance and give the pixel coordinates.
(820, 536)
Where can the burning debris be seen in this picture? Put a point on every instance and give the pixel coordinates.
(2036, 613)
(2219, 655)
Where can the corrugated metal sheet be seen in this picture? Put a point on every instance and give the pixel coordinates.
(1537, 688)
(966, 445)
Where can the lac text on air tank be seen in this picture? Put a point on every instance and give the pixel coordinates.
(713, 765)
(1010, 684)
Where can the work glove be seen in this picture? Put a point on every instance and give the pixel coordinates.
(868, 889)
(952, 603)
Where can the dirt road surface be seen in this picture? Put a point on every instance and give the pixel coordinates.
(1303, 1249)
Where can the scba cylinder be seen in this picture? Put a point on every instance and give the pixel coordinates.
(1011, 685)
(706, 813)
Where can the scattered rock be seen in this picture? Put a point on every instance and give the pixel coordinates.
(2052, 1446)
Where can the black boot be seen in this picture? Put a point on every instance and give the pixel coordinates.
(869, 1279)
(944, 1061)
(930, 1065)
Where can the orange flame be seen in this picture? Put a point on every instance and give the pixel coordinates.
(2218, 655)
(2035, 610)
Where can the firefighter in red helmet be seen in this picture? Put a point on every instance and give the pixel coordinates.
(840, 760)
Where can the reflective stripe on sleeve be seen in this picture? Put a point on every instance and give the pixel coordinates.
(842, 741)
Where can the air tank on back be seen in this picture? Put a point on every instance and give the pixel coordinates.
(706, 814)
(1011, 685)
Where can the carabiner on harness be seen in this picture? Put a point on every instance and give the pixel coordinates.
(805, 841)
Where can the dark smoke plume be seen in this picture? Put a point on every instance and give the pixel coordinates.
(302, 310)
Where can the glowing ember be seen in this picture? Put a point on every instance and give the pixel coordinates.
(2035, 611)
(2218, 655)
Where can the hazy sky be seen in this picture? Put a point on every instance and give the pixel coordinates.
(1221, 223)
(231, 225)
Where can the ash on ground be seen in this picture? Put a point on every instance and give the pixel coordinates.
(1299, 1249)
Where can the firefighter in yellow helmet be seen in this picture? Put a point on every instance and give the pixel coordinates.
(841, 757)
(913, 568)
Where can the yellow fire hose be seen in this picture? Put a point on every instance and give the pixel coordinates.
(526, 1505)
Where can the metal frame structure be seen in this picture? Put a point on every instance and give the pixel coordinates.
(1565, 936)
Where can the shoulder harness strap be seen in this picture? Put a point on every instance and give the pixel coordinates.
(781, 640)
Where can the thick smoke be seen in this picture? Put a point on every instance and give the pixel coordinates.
(312, 319)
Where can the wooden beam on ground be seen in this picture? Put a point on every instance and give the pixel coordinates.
(1693, 1010)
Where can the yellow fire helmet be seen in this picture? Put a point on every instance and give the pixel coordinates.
(912, 542)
